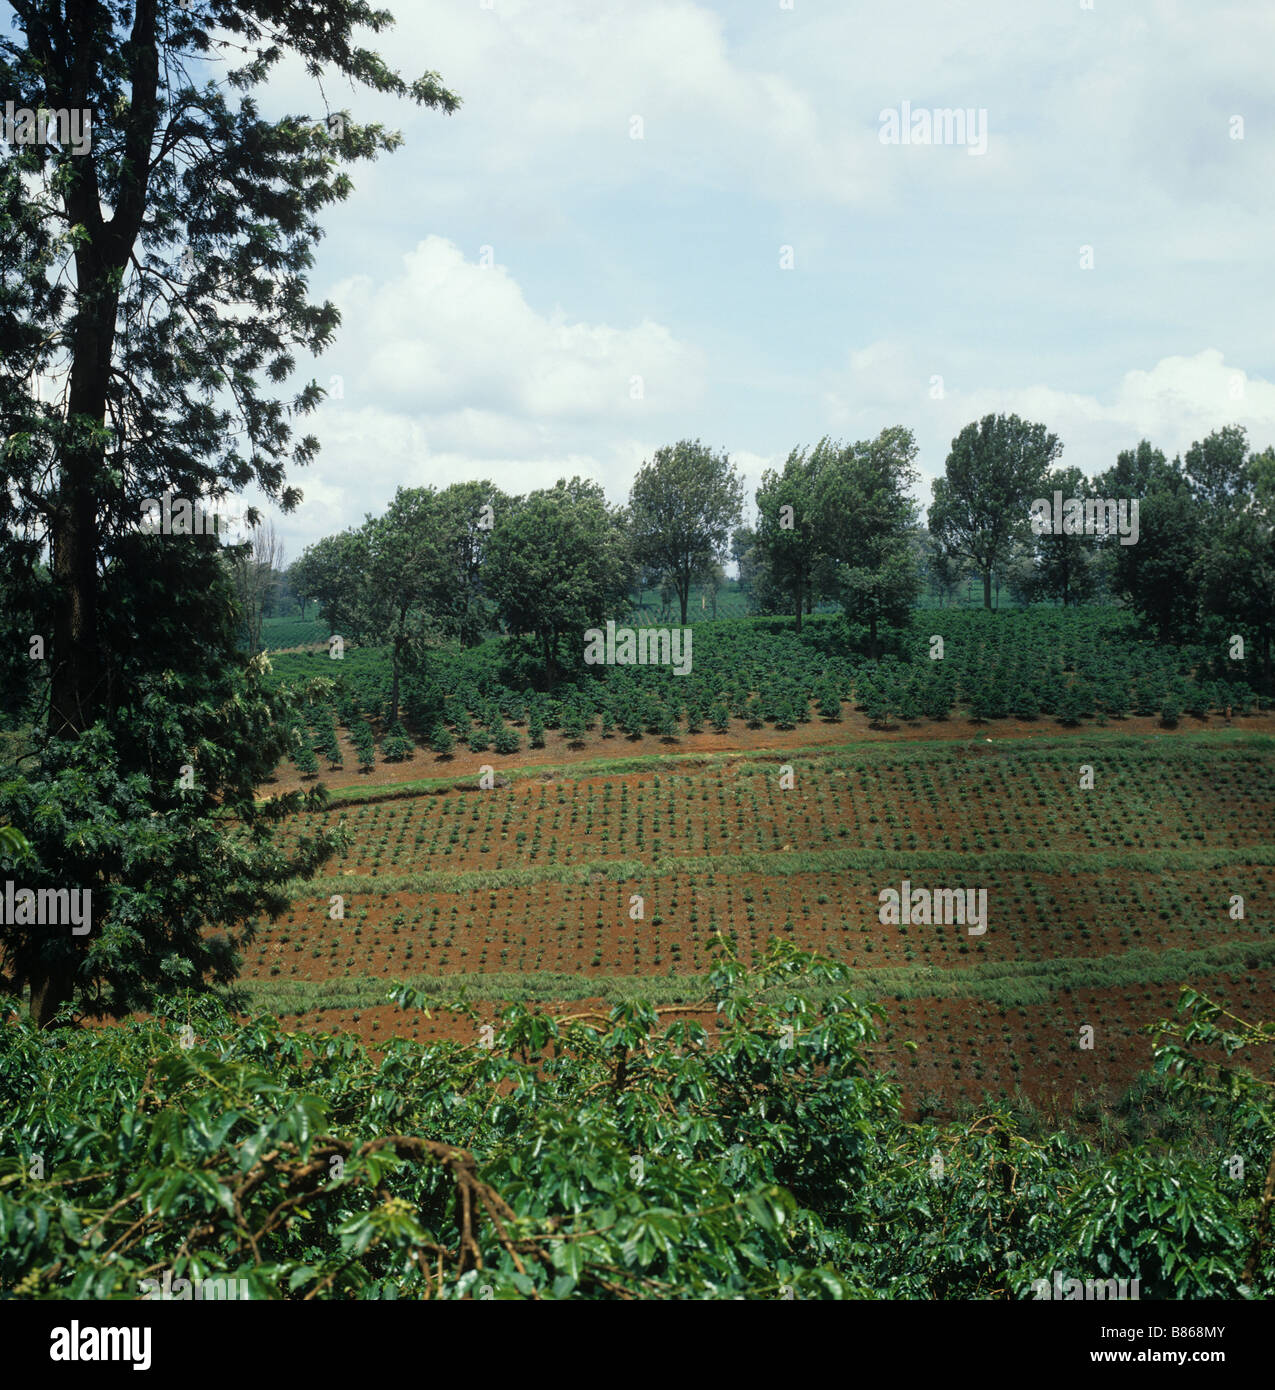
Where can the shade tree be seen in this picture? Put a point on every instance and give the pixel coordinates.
(995, 469)
(683, 506)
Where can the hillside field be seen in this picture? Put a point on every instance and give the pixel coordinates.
(484, 878)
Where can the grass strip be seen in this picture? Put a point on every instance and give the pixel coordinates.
(784, 863)
(1009, 984)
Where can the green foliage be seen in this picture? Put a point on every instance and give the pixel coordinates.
(162, 274)
(996, 468)
(306, 761)
(617, 1154)
(507, 739)
(557, 565)
(829, 697)
(682, 506)
(12, 842)
(364, 744)
(154, 814)
(396, 746)
(1077, 703)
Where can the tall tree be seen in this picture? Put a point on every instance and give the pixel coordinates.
(153, 295)
(1133, 473)
(943, 572)
(185, 231)
(330, 573)
(559, 563)
(682, 507)
(995, 469)
(865, 522)
(1063, 568)
(1235, 568)
(405, 579)
(256, 566)
(1155, 576)
(1218, 467)
(754, 575)
(468, 513)
(410, 578)
(789, 531)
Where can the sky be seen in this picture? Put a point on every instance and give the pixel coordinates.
(657, 219)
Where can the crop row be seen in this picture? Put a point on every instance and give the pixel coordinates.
(964, 804)
(591, 927)
(1075, 666)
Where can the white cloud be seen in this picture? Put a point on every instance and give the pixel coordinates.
(1177, 401)
(449, 335)
(1107, 127)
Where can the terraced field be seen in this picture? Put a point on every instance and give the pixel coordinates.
(970, 799)
(564, 886)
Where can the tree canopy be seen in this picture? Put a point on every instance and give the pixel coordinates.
(683, 506)
(995, 469)
(153, 300)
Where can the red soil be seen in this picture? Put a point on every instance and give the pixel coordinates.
(853, 727)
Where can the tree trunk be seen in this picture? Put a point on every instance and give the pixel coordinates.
(51, 986)
(78, 669)
(798, 605)
(398, 642)
(987, 589)
(78, 672)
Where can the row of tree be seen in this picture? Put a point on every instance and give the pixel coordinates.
(457, 562)
(1204, 552)
(835, 524)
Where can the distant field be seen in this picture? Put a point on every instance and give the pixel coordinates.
(278, 634)
(760, 676)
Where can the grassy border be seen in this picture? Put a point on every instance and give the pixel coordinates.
(781, 863)
(1012, 984)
